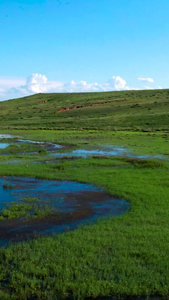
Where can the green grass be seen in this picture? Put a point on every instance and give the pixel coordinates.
(22, 148)
(137, 142)
(26, 208)
(124, 256)
(125, 110)
(121, 256)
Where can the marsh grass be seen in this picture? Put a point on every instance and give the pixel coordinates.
(22, 148)
(146, 163)
(121, 256)
(7, 186)
(139, 143)
(26, 208)
(43, 152)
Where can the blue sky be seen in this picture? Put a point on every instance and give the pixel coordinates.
(75, 45)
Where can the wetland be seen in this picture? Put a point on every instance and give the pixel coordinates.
(30, 206)
(108, 213)
(84, 204)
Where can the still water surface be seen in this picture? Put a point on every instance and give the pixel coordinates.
(76, 203)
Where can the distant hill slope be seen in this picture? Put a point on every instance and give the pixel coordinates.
(124, 110)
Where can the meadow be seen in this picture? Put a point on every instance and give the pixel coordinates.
(124, 257)
(126, 110)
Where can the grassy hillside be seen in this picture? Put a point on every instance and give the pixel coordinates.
(125, 257)
(124, 110)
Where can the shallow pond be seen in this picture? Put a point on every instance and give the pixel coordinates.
(122, 152)
(14, 162)
(46, 145)
(5, 136)
(54, 150)
(77, 203)
(3, 145)
(43, 144)
(94, 152)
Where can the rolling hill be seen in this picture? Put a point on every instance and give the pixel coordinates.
(146, 110)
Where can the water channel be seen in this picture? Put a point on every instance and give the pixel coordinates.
(54, 150)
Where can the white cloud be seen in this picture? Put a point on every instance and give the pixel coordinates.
(81, 86)
(151, 80)
(6, 83)
(119, 83)
(149, 88)
(38, 83)
(115, 83)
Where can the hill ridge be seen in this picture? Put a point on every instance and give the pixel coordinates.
(118, 110)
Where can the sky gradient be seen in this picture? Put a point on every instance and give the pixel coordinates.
(72, 46)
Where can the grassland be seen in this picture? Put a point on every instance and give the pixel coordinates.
(126, 110)
(123, 256)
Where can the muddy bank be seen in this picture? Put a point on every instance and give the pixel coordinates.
(76, 203)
